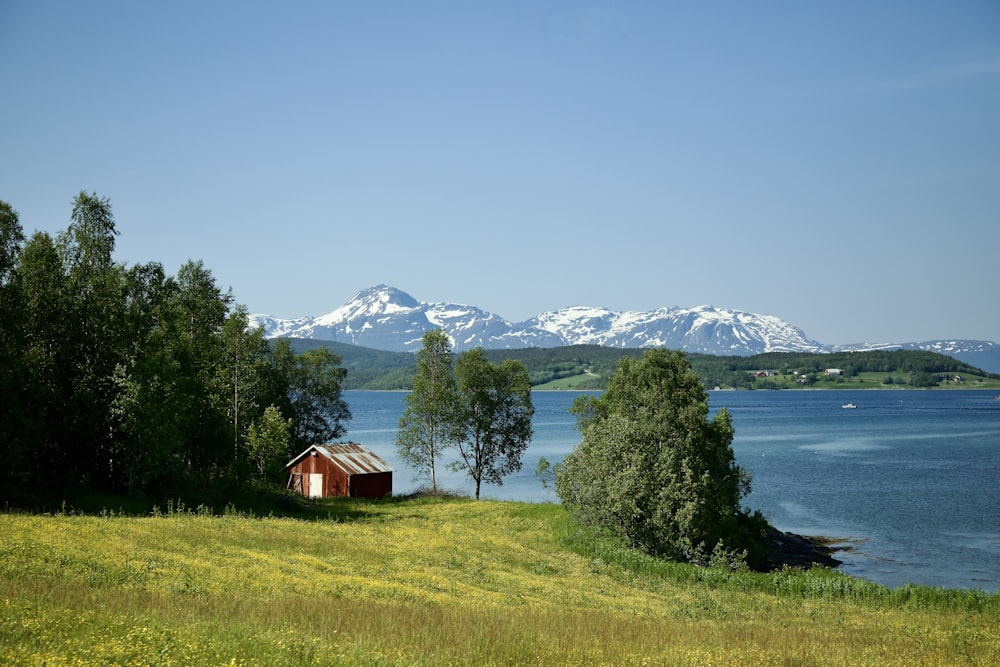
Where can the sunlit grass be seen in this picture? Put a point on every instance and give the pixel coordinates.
(437, 582)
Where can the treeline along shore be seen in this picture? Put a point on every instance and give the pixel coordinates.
(588, 367)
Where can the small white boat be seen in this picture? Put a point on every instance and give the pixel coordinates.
(848, 406)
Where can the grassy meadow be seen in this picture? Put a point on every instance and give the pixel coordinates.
(434, 581)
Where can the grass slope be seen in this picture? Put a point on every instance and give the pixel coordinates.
(437, 582)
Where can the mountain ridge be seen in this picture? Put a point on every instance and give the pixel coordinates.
(386, 318)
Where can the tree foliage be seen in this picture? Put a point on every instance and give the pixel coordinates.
(13, 371)
(493, 419)
(314, 380)
(126, 379)
(655, 470)
(267, 444)
(427, 425)
(480, 409)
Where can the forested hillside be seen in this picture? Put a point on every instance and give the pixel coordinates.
(366, 368)
(585, 367)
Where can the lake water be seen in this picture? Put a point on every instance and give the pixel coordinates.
(911, 479)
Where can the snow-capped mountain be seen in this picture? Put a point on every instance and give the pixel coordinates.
(702, 329)
(386, 318)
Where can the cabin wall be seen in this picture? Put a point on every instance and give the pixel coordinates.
(371, 485)
(335, 480)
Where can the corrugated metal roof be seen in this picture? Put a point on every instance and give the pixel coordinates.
(353, 458)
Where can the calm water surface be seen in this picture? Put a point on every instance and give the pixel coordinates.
(910, 479)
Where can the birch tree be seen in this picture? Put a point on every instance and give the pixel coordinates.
(493, 421)
(427, 425)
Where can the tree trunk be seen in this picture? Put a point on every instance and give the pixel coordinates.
(434, 486)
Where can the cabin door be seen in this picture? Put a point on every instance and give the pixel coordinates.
(315, 485)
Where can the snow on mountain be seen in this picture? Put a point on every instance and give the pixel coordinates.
(278, 328)
(701, 329)
(948, 347)
(387, 318)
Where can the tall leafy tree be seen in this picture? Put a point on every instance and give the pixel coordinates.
(96, 334)
(493, 420)
(150, 407)
(652, 468)
(427, 425)
(11, 242)
(15, 445)
(45, 385)
(89, 242)
(308, 387)
(319, 412)
(244, 369)
(197, 315)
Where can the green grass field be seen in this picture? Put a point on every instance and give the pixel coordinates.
(437, 582)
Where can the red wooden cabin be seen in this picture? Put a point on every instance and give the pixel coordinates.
(349, 469)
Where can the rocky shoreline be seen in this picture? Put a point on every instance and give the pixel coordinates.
(792, 550)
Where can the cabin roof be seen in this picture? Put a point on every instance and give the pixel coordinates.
(352, 458)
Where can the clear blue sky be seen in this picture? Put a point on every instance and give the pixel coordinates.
(836, 164)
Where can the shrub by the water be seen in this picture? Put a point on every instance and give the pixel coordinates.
(653, 469)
